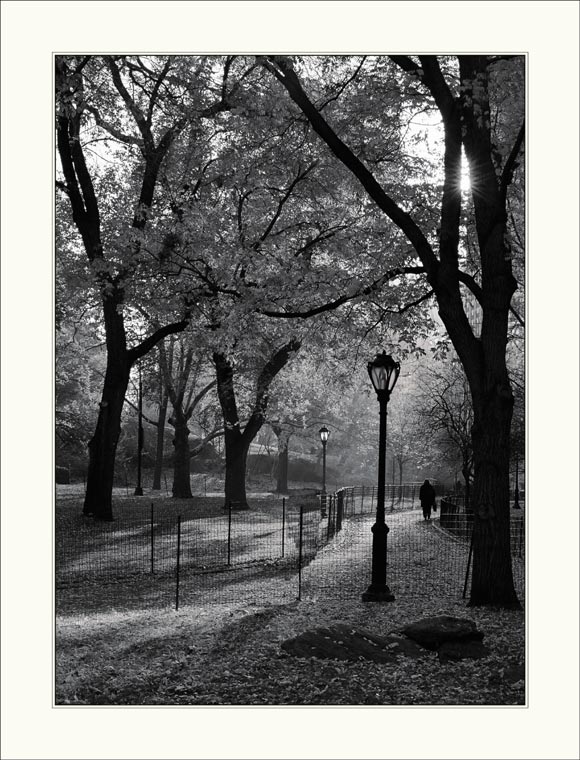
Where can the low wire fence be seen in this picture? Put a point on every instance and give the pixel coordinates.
(457, 520)
(274, 553)
(168, 559)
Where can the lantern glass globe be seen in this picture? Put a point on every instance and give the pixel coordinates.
(383, 372)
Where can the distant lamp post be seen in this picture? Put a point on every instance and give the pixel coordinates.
(324, 433)
(139, 488)
(384, 373)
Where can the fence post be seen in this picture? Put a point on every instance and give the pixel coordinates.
(229, 532)
(177, 565)
(339, 511)
(300, 551)
(362, 501)
(283, 522)
(152, 543)
(166, 489)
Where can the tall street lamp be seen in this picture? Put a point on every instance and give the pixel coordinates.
(384, 372)
(324, 433)
(139, 488)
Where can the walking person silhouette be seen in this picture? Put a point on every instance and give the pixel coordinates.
(427, 499)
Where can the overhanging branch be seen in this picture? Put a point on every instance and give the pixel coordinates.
(146, 345)
(331, 305)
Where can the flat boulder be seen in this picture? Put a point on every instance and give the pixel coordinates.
(433, 632)
(344, 642)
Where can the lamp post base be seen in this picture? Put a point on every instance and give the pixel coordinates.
(378, 593)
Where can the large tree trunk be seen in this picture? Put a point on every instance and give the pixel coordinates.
(181, 477)
(102, 451)
(236, 449)
(492, 578)
(103, 444)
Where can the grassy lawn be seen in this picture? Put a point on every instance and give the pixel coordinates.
(228, 652)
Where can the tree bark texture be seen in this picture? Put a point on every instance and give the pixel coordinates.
(492, 577)
(237, 448)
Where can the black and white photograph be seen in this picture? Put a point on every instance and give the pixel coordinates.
(291, 444)
(290, 387)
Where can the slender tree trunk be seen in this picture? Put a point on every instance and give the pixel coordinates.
(159, 448)
(237, 448)
(181, 477)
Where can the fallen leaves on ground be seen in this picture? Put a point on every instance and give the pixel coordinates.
(230, 655)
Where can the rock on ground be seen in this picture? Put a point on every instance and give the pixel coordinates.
(452, 638)
(343, 642)
(432, 632)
